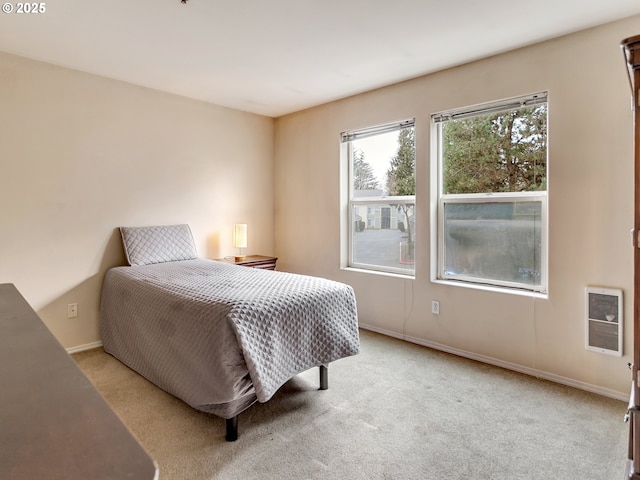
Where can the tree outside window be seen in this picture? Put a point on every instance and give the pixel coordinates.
(401, 182)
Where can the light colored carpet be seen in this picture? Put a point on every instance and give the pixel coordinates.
(395, 411)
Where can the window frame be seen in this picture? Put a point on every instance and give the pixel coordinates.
(438, 120)
(347, 138)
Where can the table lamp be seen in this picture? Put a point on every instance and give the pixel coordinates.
(240, 239)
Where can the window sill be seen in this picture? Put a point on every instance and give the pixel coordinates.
(404, 276)
(492, 288)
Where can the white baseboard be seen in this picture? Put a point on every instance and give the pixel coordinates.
(607, 392)
(82, 348)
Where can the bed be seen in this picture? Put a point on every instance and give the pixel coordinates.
(218, 336)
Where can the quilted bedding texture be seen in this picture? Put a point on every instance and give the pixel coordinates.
(218, 336)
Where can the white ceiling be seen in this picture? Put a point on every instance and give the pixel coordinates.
(274, 57)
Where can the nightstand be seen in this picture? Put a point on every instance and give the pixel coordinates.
(254, 261)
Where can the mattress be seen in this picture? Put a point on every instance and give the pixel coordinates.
(220, 336)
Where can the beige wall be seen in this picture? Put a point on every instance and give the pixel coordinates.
(590, 206)
(81, 155)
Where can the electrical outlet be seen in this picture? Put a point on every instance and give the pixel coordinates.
(72, 310)
(435, 307)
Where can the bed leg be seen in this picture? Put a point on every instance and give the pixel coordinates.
(324, 377)
(232, 429)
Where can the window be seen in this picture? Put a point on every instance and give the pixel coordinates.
(381, 178)
(492, 193)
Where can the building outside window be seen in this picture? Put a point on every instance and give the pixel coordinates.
(492, 193)
(382, 197)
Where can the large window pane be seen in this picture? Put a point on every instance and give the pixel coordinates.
(499, 152)
(494, 241)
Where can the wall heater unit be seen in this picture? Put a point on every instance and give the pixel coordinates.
(603, 320)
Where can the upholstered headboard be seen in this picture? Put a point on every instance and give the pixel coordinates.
(158, 244)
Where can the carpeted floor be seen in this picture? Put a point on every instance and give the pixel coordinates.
(396, 411)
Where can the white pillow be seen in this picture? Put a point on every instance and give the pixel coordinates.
(159, 244)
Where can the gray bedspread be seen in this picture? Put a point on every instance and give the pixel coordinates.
(220, 336)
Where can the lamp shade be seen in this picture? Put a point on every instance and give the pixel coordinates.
(240, 235)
